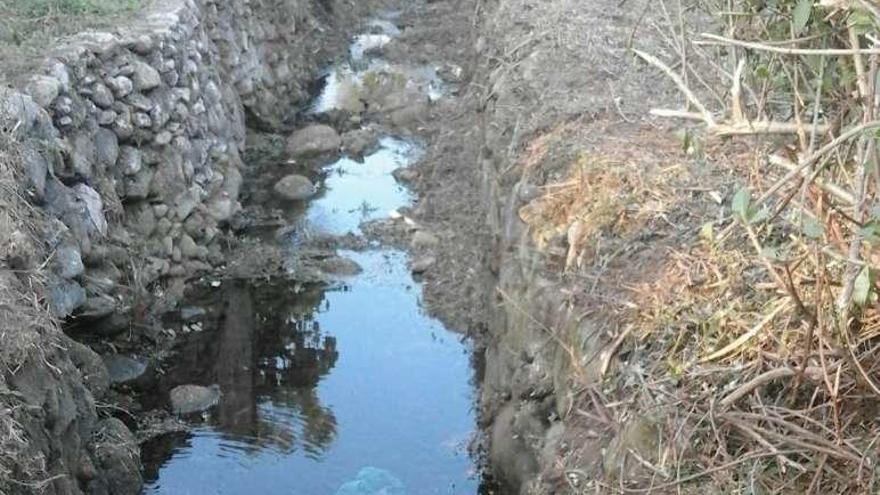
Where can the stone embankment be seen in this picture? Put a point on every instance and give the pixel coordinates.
(129, 145)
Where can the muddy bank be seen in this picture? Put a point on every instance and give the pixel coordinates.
(553, 93)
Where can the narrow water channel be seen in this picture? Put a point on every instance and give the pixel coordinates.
(337, 388)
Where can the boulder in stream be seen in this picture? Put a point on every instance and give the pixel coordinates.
(360, 142)
(189, 399)
(312, 141)
(295, 187)
(423, 240)
(406, 174)
(124, 370)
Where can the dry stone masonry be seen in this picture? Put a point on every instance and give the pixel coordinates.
(136, 137)
(132, 148)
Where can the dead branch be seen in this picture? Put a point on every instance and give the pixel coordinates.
(714, 39)
(774, 374)
(832, 189)
(691, 97)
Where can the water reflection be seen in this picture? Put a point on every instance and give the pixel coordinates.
(264, 348)
(299, 415)
(355, 192)
(393, 411)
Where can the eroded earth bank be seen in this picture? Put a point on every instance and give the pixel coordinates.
(202, 211)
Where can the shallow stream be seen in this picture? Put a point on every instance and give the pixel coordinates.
(341, 388)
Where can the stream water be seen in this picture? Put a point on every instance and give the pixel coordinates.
(344, 388)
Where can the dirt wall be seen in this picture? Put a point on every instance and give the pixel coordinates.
(561, 85)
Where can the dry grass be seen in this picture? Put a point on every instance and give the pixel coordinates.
(26, 326)
(29, 27)
(24, 317)
(750, 346)
(729, 344)
(581, 207)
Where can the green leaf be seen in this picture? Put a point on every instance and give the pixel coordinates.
(813, 229)
(861, 20)
(801, 15)
(685, 138)
(762, 72)
(847, 75)
(707, 232)
(741, 201)
(772, 253)
(862, 287)
(871, 232)
(758, 216)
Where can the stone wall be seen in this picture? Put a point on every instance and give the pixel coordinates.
(141, 160)
(131, 146)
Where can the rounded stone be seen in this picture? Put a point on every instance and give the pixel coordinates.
(44, 90)
(124, 370)
(360, 142)
(313, 140)
(421, 265)
(102, 96)
(145, 77)
(65, 296)
(130, 160)
(422, 239)
(121, 86)
(295, 188)
(189, 399)
(68, 262)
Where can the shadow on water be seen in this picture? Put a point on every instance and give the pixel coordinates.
(261, 345)
(319, 384)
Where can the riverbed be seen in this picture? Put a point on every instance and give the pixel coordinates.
(338, 387)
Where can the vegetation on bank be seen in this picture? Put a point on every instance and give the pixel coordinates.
(761, 339)
(746, 329)
(26, 326)
(28, 27)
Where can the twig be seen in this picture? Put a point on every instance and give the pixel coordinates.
(742, 339)
(836, 191)
(721, 467)
(714, 39)
(691, 97)
(761, 127)
(612, 350)
(865, 154)
(763, 378)
(744, 128)
(806, 162)
(736, 110)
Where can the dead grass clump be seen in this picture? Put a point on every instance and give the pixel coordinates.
(17, 462)
(761, 338)
(26, 326)
(697, 302)
(731, 339)
(604, 197)
(24, 316)
(735, 356)
(592, 199)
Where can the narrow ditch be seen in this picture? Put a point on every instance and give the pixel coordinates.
(330, 379)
